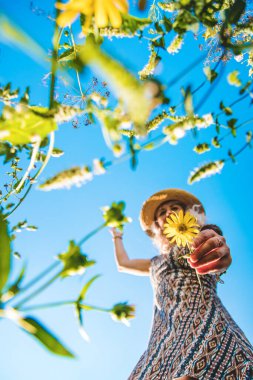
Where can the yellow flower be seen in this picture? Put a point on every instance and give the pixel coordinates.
(181, 228)
(105, 12)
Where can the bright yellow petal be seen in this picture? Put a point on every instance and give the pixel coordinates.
(86, 25)
(101, 14)
(193, 230)
(181, 216)
(174, 218)
(122, 5)
(187, 217)
(66, 18)
(170, 229)
(113, 14)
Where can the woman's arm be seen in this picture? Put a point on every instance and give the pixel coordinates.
(139, 267)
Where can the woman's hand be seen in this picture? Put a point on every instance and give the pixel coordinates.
(116, 233)
(211, 253)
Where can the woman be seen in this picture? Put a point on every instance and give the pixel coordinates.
(193, 336)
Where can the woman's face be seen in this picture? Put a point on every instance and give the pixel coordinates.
(164, 210)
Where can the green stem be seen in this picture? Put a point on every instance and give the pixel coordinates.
(185, 71)
(36, 292)
(91, 307)
(48, 305)
(90, 234)
(56, 40)
(36, 279)
(49, 153)
(240, 125)
(77, 74)
(19, 203)
(214, 85)
(64, 303)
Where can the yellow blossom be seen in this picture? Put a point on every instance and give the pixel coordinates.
(105, 12)
(181, 228)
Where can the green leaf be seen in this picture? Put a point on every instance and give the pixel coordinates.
(113, 215)
(74, 261)
(14, 287)
(67, 55)
(249, 135)
(215, 142)
(188, 103)
(24, 125)
(7, 150)
(231, 156)
(46, 337)
(84, 290)
(167, 24)
(125, 86)
(227, 110)
(245, 87)
(185, 21)
(5, 252)
(231, 125)
(149, 146)
(235, 12)
(210, 74)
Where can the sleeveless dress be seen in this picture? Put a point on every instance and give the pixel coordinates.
(189, 335)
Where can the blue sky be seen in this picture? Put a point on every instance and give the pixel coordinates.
(69, 214)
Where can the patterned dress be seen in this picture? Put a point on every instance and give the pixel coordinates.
(189, 336)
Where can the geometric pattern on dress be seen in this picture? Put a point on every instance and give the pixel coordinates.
(189, 337)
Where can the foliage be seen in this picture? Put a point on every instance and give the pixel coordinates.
(141, 106)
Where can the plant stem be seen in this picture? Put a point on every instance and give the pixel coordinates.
(91, 307)
(19, 203)
(36, 292)
(90, 234)
(30, 167)
(49, 153)
(56, 39)
(36, 279)
(210, 90)
(64, 303)
(77, 74)
(48, 305)
(185, 71)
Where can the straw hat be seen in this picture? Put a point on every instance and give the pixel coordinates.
(149, 207)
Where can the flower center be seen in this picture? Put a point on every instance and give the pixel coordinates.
(182, 227)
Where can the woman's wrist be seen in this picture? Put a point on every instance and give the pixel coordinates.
(117, 237)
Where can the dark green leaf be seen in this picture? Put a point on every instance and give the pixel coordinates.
(231, 156)
(67, 55)
(84, 290)
(159, 43)
(167, 24)
(188, 103)
(245, 87)
(210, 74)
(24, 125)
(235, 12)
(14, 287)
(5, 252)
(47, 338)
(231, 125)
(227, 110)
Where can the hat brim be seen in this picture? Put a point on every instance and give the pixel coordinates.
(147, 215)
